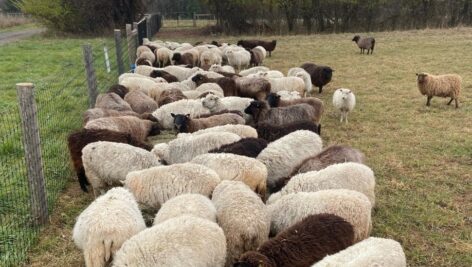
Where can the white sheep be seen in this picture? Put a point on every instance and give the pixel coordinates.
(372, 251)
(352, 206)
(243, 218)
(154, 186)
(214, 88)
(181, 73)
(187, 204)
(163, 56)
(239, 59)
(219, 68)
(286, 95)
(145, 70)
(253, 70)
(216, 104)
(193, 107)
(108, 163)
(243, 131)
(305, 76)
(288, 84)
(237, 168)
(105, 225)
(349, 175)
(209, 58)
(268, 74)
(136, 75)
(138, 83)
(161, 151)
(344, 101)
(262, 49)
(181, 241)
(287, 152)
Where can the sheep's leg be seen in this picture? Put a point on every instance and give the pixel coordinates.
(457, 102)
(345, 116)
(341, 120)
(270, 53)
(321, 89)
(428, 102)
(452, 98)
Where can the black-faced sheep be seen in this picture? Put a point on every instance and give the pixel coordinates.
(227, 84)
(169, 96)
(249, 147)
(185, 124)
(185, 106)
(250, 44)
(303, 244)
(137, 128)
(164, 74)
(270, 132)
(320, 75)
(367, 43)
(118, 89)
(261, 112)
(447, 85)
(275, 100)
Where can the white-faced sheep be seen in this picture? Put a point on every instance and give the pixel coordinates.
(447, 85)
(154, 186)
(344, 101)
(352, 206)
(106, 164)
(253, 70)
(105, 225)
(237, 168)
(262, 113)
(349, 175)
(193, 107)
(138, 128)
(181, 241)
(219, 68)
(140, 102)
(305, 76)
(243, 131)
(238, 59)
(112, 101)
(243, 217)
(196, 205)
(275, 100)
(286, 153)
(372, 251)
(288, 84)
(366, 43)
(185, 124)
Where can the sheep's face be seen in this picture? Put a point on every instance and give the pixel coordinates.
(181, 122)
(273, 99)
(421, 77)
(345, 93)
(197, 78)
(155, 73)
(155, 129)
(356, 38)
(176, 58)
(254, 108)
(210, 101)
(328, 73)
(214, 68)
(253, 259)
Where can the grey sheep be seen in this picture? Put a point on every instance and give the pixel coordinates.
(112, 101)
(262, 113)
(367, 43)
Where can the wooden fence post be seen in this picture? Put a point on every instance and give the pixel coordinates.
(130, 43)
(32, 146)
(90, 72)
(119, 52)
(148, 27)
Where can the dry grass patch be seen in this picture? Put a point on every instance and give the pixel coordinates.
(7, 21)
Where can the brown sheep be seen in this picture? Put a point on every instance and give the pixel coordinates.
(447, 85)
(227, 84)
(112, 101)
(183, 59)
(169, 96)
(164, 74)
(250, 44)
(257, 56)
(367, 43)
(118, 89)
(140, 102)
(320, 75)
(185, 124)
(261, 112)
(95, 113)
(274, 101)
(78, 140)
(137, 128)
(303, 244)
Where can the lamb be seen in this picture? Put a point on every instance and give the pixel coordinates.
(367, 43)
(238, 59)
(111, 101)
(164, 74)
(184, 149)
(170, 95)
(301, 73)
(181, 241)
(187, 204)
(237, 168)
(284, 154)
(275, 100)
(163, 57)
(96, 113)
(257, 56)
(253, 70)
(250, 44)
(249, 147)
(352, 206)
(270, 132)
(302, 244)
(320, 75)
(104, 171)
(219, 68)
(185, 124)
(329, 156)
(76, 141)
(372, 251)
(137, 128)
(184, 106)
(118, 89)
(447, 85)
(242, 131)
(344, 101)
(105, 225)
(349, 175)
(261, 112)
(154, 186)
(242, 216)
(140, 102)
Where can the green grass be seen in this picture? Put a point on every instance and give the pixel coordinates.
(422, 156)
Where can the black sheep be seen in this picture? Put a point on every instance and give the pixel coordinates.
(164, 74)
(249, 147)
(320, 75)
(250, 44)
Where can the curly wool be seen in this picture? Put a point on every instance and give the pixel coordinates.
(138, 128)
(96, 113)
(184, 106)
(242, 131)
(187, 204)
(140, 102)
(447, 85)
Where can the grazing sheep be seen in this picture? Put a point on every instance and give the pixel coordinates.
(181, 241)
(270, 132)
(139, 83)
(344, 101)
(184, 106)
(96, 113)
(243, 131)
(253, 70)
(227, 84)
(163, 57)
(242, 216)
(352, 206)
(320, 75)
(140, 102)
(237, 168)
(111, 101)
(329, 156)
(268, 74)
(146, 58)
(249, 147)
(137, 128)
(250, 44)
(105, 225)
(127, 75)
(305, 76)
(447, 85)
(372, 251)
(275, 100)
(184, 149)
(169, 96)
(216, 104)
(209, 58)
(349, 175)
(185, 124)
(106, 164)
(154, 186)
(76, 141)
(238, 59)
(262, 113)
(181, 73)
(164, 74)
(219, 68)
(286, 153)
(185, 58)
(367, 43)
(213, 88)
(187, 204)
(257, 56)
(257, 88)
(286, 95)
(302, 244)
(143, 70)
(142, 48)
(118, 89)
(161, 151)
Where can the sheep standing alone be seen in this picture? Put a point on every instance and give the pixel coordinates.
(303, 244)
(367, 43)
(139, 129)
(249, 147)
(344, 101)
(181, 241)
(275, 100)
(320, 75)
(185, 124)
(270, 132)
(447, 85)
(187, 204)
(105, 225)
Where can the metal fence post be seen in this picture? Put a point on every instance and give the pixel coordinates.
(194, 20)
(32, 146)
(119, 52)
(90, 72)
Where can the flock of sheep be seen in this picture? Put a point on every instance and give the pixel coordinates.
(246, 182)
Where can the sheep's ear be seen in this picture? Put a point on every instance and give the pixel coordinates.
(173, 115)
(187, 115)
(278, 96)
(417, 74)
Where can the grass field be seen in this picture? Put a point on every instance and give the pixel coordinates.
(422, 156)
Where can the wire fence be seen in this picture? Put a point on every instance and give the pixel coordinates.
(187, 20)
(59, 101)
